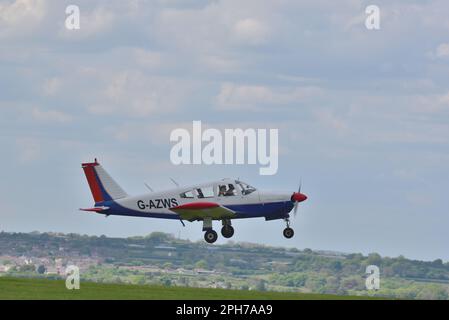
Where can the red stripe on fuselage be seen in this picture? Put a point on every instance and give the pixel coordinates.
(197, 206)
(91, 175)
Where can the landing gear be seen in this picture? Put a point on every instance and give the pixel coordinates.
(227, 231)
(210, 236)
(288, 232)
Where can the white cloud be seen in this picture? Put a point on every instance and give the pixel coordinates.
(148, 59)
(218, 63)
(29, 150)
(133, 94)
(94, 22)
(329, 120)
(21, 16)
(256, 96)
(442, 50)
(251, 31)
(50, 116)
(51, 86)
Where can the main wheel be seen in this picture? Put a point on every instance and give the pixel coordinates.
(210, 236)
(289, 233)
(227, 231)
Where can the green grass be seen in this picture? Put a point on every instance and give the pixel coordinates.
(42, 289)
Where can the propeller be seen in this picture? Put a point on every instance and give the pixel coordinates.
(298, 197)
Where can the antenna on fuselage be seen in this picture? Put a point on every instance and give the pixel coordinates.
(148, 187)
(172, 180)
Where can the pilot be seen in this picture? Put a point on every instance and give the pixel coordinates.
(230, 191)
(222, 191)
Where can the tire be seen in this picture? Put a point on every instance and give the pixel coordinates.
(210, 236)
(289, 233)
(227, 231)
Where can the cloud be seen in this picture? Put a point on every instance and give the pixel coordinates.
(51, 86)
(217, 63)
(258, 96)
(92, 23)
(21, 16)
(134, 94)
(251, 31)
(52, 116)
(148, 59)
(329, 120)
(29, 149)
(443, 50)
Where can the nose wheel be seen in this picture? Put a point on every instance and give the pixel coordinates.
(288, 232)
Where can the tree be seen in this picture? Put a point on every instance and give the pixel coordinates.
(28, 268)
(374, 259)
(202, 264)
(41, 269)
(261, 285)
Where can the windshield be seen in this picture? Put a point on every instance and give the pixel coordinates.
(246, 188)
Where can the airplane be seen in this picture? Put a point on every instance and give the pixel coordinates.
(224, 200)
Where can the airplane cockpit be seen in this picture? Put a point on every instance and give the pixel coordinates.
(224, 188)
(234, 188)
(245, 188)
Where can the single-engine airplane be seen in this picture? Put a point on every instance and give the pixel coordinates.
(223, 200)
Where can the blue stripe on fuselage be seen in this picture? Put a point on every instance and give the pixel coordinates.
(268, 210)
(271, 210)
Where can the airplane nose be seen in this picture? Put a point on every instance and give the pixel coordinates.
(298, 197)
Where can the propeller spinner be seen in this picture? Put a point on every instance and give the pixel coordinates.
(298, 197)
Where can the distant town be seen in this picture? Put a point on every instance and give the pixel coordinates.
(162, 259)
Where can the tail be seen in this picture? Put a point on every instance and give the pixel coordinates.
(101, 184)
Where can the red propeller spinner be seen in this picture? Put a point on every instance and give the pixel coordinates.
(298, 197)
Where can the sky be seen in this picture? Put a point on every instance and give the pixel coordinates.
(363, 115)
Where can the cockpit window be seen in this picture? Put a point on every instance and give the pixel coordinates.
(187, 195)
(246, 188)
(205, 192)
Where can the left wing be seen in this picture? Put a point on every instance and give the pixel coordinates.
(199, 210)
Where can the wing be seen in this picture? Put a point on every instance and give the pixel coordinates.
(199, 210)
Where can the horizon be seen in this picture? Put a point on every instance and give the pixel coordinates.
(226, 243)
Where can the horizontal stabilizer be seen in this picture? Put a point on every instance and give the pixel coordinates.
(96, 209)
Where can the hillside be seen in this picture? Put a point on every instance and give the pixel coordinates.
(162, 260)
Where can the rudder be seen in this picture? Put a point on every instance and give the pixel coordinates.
(102, 185)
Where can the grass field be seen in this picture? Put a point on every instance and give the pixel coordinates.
(41, 289)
